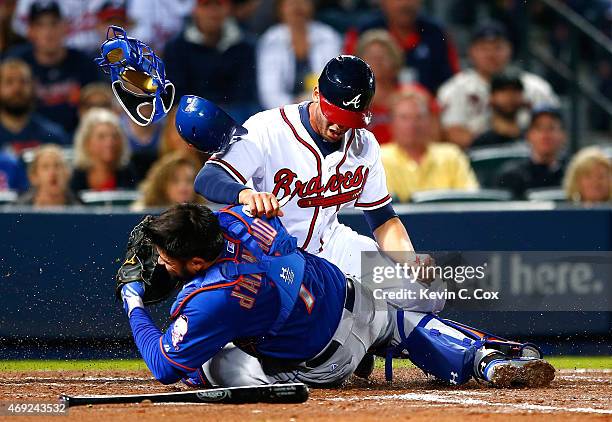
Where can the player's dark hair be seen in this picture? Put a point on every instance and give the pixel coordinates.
(186, 231)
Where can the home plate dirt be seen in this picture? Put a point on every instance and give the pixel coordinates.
(574, 395)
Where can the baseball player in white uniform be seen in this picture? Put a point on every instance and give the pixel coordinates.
(295, 157)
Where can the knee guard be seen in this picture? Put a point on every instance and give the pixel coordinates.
(446, 349)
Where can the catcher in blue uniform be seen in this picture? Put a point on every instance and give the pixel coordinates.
(255, 309)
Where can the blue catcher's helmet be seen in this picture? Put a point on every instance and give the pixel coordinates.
(204, 125)
(131, 61)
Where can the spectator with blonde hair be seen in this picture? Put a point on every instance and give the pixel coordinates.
(412, 161)
(49, 175)
(102, 153)
(380, 50)
(170, 182)
(589, 177)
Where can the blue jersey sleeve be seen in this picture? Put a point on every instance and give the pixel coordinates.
(205, 324)
(146, 337)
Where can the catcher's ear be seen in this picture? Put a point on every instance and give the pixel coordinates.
(197, 264)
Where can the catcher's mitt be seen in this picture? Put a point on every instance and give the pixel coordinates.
(140, 264)
(132, 62)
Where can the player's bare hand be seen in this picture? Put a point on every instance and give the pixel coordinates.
(261, 203)
(425, 268)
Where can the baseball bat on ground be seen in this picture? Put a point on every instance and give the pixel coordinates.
(276, 393)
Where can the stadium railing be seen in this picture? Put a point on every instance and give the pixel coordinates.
(486, 161)
(444, 195)
(109, 198)
(8, 196)
(546, 194)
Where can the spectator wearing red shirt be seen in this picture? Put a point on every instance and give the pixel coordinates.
(430, 57)
(378, 48)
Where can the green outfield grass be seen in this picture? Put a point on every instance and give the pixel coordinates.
(72, 365)
(560, 362)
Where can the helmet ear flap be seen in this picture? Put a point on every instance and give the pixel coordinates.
(167, 97)
(133, 103)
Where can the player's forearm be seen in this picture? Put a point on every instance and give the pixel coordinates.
(146, 336)
(393, 237)
(216, 185)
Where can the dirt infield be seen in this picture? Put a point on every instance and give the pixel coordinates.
(574, 395)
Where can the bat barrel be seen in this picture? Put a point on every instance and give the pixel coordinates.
(276, 393)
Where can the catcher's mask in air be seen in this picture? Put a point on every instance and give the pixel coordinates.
(204, 125)
(131, 61)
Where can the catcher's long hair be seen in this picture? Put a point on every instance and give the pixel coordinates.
(186, 231)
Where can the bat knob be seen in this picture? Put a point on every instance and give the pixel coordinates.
(64, 399)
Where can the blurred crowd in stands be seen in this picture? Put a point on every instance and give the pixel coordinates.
(467, 119)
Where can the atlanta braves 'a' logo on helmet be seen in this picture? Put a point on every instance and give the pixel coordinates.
(354, 102)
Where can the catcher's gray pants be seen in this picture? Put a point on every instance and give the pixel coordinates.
(356, 333)
(371, 323)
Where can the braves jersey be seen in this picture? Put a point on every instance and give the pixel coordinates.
(279, 156)
(213, 310)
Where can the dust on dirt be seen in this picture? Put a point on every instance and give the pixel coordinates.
(573, 395)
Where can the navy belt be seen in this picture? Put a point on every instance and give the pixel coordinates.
(332, 347)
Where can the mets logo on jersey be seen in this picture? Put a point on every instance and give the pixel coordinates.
(179, 329)
(313, 193)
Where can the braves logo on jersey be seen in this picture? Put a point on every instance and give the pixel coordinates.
(313, 193)
(280, 156)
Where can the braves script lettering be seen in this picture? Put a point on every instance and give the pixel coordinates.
(312, 192)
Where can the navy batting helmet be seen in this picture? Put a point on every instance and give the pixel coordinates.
(346, 89)
(204, 125)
